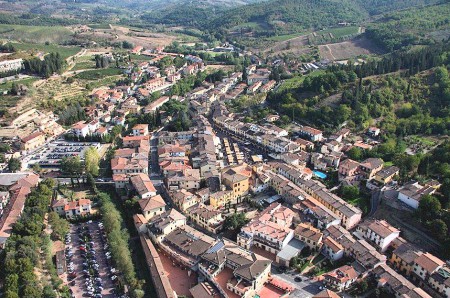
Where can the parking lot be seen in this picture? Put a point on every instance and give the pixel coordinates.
(244, 148)
(51, 154)
(90, 273)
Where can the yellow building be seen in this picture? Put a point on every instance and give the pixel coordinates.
(184, 199)
(237, 179)
(32, 141)
(403, 258)
(387, 174)
(221, 198)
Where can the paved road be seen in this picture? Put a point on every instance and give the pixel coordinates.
(374, 202)
(307, 288)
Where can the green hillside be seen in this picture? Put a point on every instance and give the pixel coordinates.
(286, 16)
(416, 26)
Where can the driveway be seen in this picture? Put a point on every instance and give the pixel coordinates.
(306, 288)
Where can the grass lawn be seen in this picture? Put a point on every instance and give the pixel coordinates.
(422, 140)
(64, 51)
(99, 26)
(27, 82)
(84, 65)
(296, 82)
(98, 74)
(36, 34)
(285, 37)
(104, 82)
(135, 57)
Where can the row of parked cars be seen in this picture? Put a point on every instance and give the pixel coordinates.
(91, 268)
(73, 144)
(67, 149)
(59, 155)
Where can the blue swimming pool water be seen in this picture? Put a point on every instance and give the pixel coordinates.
(320, 174)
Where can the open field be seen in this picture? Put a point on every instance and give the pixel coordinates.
(297, 46)
(27, 82)
(83, 65)
(99, 26)
(33, 48)
(97, 74)
(251, 25)
(84, 62)
(285, 37)
(35, 34)
(296, 82)
(338, 32)
(135, 57)
(140, 37)
(348, 49)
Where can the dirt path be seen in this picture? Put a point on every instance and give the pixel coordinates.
(71, 60)
(327, 53)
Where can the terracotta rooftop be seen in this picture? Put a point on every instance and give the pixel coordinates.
(379, 227)
(429, 262)
(331, 243)
(308, 231)
(142, 184)
(327, 294)
(32, 136)
(152, 203)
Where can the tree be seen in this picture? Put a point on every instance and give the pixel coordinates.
(439, 229)
(355, 153)
(4, 148)
(127, 45)
(37, 168)
(429, 208)
(72, 167)
(60, 226)
(349, 192)
(92, 159)
(235, 222)
(363, 286)
(14, 165)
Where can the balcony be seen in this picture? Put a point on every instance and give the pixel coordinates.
(266, 242)
(240, 286)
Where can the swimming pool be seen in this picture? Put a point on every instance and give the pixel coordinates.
(320, 174)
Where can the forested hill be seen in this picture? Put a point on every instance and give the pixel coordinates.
(375, 7)
(415, 26)
(306, 14)
(295, 14)
(405, 93)
(187, 12)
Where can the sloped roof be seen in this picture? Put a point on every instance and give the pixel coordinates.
(152, 203)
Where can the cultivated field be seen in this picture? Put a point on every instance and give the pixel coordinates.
(34, 48)
(348, 49)
(297, 46)
(35, 34)
(120, 33)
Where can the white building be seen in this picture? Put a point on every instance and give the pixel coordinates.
(379, 232)
(411, 193)
(80, 129)
(10, 65)
(332, 249)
